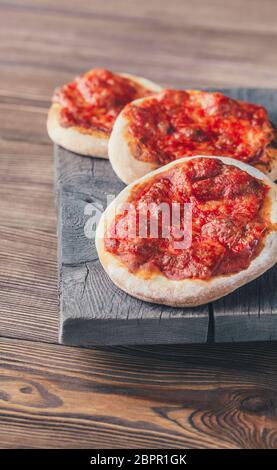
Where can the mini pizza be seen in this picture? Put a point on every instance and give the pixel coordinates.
(153, 131)
(83, 112)
(225, 235)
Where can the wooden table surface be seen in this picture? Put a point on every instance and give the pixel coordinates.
(55, 396)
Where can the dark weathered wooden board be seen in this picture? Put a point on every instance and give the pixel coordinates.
(95, 312)
(250, 313)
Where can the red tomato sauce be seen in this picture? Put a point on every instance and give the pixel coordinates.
(94, 100)
(229, 222)
(175, 124)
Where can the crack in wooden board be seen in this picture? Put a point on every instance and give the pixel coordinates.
(95, 312)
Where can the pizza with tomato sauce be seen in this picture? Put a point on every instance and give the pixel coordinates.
(224, 235)
(156, 130)
(83, 112)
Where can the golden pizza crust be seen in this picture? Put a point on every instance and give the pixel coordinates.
(186, 292)
(93, 144)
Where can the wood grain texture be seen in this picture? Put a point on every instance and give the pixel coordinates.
(28, 299)
(181, 43)
(43, 44)
(250, 312)
(162, 397)
(93, 311)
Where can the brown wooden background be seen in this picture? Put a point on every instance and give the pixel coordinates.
(56, 396)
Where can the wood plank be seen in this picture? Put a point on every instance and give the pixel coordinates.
(176, 396)
(28, 283)
(93, 310)
(89, 299)
(250, 313)
(21, 122)
(26, 168)
(150, 397)
(28, 268)
(207, 43)
(229, 16)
